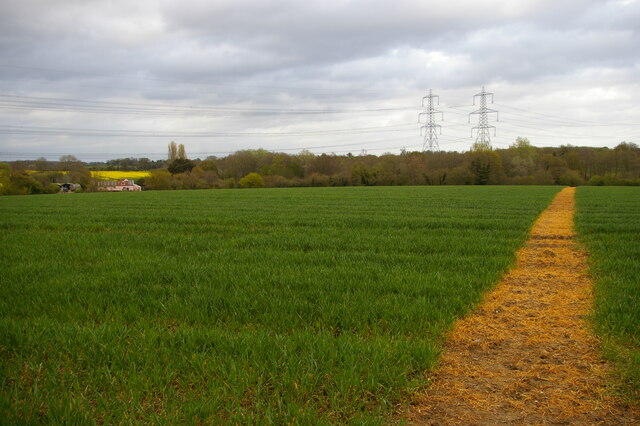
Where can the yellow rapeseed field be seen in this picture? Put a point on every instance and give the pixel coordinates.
(104, 174)
(114, 175)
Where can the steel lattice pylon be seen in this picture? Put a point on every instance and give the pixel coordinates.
(430, 135)
(483, 138)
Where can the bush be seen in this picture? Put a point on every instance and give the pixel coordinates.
(51, 189)
(158, 179)
(521, 180)
(252, 180)
(277, 181)
(596, 181)
(612, 181)
(571, 178)
(543, 177)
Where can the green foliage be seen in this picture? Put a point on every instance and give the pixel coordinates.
(41, 164)
(608, 221)
(360, 175)
(543, 177)
(129, 164)
(46, 178)
(244, 162)
(520, 158)
(80, 175)
(158, 179)
(77, 172)
(282, 165)
(252, 180)
(209, 165)
(570, 178)
(480, 147)
(19, 182)
(228, 183)
(523, 148)
(180, 165)
(612, 181)
(307, 305)
(486, 167)
(520, 164)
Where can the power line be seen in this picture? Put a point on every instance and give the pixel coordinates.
(244, 85)
(31, 130)
(83, 105)
(566, 122)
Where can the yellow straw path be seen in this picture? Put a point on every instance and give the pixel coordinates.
(527, 355)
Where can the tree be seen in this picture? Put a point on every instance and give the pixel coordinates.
(627, 159)
(209, 165)
(76, 171)
(415, 168)
(41, 164)
(480, 146)
(173, 152)
(324, 165)
(556, 166)
(182, 154)
(5, 182)
(21, 183)
(486, 168)
(519, 158)
(180, 165)
(252, 180)
(360, 175)
(68, 159)
(305, 157)
(243, 162)
(523, 148)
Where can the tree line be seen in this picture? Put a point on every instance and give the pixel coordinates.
(520, 164)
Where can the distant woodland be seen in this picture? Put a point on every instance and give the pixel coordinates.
(520, 164)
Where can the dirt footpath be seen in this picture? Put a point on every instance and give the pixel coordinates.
(527, 356)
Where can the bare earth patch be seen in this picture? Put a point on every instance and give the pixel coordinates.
(527, 356)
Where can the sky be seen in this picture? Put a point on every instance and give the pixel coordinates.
(113, 79)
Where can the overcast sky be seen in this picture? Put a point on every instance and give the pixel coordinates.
(111, 79)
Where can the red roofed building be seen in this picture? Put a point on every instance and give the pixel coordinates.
(119, 185)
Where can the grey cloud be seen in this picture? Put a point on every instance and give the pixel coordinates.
(216, 39)
(313, 53)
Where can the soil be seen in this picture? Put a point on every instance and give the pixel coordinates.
(527, 354)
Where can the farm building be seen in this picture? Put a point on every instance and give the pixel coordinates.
(68, 187)
(118, 185)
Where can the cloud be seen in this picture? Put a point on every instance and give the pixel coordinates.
(313, 54)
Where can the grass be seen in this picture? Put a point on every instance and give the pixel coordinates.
(309, 305)
(608, 221)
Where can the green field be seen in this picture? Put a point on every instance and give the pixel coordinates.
(608, 221)
(269, 305)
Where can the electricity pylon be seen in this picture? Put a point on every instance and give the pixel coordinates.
(483, 139)
(430, 136)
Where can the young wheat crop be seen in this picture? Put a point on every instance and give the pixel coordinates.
(272, 305)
